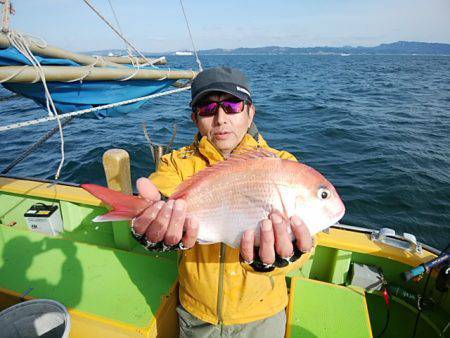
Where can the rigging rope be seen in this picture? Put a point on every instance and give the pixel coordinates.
(117, 32)
(90, 110)
(18, 41)
(116, 19)
(128, 49)
(190, 35)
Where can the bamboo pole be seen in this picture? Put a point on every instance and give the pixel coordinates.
(82, 59)
(116, 163)
(6, 13)
(136, 60)
(29, 74)
(55, 52)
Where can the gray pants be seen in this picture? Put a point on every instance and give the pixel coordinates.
(192, 327)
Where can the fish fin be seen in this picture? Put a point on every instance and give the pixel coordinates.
(200, 241)
(115, 216)
(125, 206)
(285, 212)
(234, 160)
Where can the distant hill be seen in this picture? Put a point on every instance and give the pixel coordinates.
(400, 47)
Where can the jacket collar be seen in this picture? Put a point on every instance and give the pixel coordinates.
(209, 151)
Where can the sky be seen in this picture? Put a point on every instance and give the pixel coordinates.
(159, 26)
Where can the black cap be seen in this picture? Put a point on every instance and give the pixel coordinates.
(220, 79)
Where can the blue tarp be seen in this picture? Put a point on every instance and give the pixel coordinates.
(78, 95)
(12, 57)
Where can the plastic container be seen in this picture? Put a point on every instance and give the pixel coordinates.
(35, 318)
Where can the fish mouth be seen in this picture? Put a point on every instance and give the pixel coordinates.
(339, 214)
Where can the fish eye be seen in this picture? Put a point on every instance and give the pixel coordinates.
(323, 193)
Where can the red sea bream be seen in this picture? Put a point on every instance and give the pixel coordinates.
(235, 195)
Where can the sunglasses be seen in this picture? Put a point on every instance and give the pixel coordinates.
(228, 106)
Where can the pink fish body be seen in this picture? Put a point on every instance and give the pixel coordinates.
(235, 195)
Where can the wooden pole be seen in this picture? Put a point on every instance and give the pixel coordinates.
(82, 59)
(27, 74)
(55, 52)
(116, 163)
(127, 60)
(6, 13)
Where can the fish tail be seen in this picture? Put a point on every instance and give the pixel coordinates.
(125, 207)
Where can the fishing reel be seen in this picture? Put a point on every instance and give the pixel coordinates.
(442, 259)
(443, 278)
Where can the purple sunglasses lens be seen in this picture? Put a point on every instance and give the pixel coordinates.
(208, 109)
(230, 107)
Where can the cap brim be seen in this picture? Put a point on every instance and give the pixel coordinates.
(202, 94)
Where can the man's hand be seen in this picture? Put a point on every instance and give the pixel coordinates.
(164, 221)
(275, 240)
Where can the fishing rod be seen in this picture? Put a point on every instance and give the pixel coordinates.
(35, 146)
(425, 267)
(442, 282)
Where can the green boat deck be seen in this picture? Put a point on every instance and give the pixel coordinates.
(319, 309)
(110, 283)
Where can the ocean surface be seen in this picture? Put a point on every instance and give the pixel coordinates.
(377, 126)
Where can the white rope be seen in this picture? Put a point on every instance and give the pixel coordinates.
(200, 68)
(16, 73)
(18, 41)
(129, 77)
(117, 20)
(90, 110)
(129, 53)
(88, 72)
(116, 31)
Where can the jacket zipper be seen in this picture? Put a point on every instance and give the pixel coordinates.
(221, 273)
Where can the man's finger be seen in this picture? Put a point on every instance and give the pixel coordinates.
(147, 189)
(157, 230)
(301, 233)
(175, 229)
(283, 244)
(247, 245)
(191, 232)
(141, 223)
(267, 241)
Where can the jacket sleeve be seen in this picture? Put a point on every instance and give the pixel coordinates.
(286, 156)
(166, 177)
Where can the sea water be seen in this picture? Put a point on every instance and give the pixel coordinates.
(378, 126)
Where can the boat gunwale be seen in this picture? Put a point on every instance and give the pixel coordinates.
(335, 226)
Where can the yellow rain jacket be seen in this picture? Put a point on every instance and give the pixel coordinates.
(215, 286)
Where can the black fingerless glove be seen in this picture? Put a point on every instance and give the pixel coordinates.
(155, 246)
(280, 262)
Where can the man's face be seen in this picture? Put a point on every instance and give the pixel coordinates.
(224, 130)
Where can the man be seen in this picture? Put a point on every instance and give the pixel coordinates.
(223, 291)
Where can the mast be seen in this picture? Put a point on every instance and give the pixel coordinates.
(7, 10)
